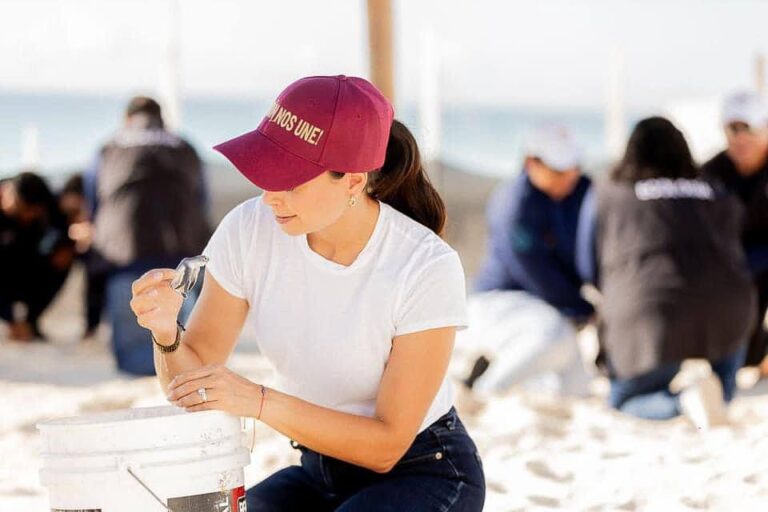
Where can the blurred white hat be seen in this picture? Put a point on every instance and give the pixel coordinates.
(746, 107)
(554, 145)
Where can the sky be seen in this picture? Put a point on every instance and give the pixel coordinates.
(554, 53)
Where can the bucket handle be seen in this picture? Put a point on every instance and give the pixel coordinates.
(133, 474)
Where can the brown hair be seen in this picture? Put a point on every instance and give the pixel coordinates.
(403, 184)
(656, 149)
(148, 107)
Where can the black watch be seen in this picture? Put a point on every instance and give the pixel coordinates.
(165, 349)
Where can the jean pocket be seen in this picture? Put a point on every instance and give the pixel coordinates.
(435, 455)
(426, 447)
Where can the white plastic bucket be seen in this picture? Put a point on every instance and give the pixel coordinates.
(145, 459)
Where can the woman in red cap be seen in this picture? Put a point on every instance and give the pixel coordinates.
(341, 271)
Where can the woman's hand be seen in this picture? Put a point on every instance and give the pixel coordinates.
(156, 304)
(225, 391)
(82, 234)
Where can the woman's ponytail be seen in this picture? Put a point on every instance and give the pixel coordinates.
(403, 184)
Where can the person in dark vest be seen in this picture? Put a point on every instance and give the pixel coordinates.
(742, 168)
(35, 253)
(674, 280)
(527, 303)
(149, 201)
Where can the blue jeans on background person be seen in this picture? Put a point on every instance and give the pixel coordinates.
(648, 396)
(441, 471)
(132, 343)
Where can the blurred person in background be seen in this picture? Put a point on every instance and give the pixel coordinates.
(74, 206)
(674, 280)
(742, 168)
(71, 200)
(528, 305)
(35, 253)
(148, 198)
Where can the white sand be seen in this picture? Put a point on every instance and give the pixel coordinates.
(540, 452)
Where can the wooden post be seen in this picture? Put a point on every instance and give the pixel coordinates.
(381, 47)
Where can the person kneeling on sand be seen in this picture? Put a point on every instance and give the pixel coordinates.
(147, 196)
(674, 280)
(528, 305)
(355, 299)
(35, 253)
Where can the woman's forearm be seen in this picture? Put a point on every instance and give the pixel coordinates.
(212, 331)
(170, 364)
(368, 442)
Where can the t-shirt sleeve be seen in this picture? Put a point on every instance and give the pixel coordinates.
(226, 252)
(437, 298)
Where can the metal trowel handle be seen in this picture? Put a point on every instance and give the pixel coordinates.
(187, 272)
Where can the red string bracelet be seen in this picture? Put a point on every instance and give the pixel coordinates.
(263, 399)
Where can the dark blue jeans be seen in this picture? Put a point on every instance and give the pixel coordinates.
(441, 471)
(648, 396)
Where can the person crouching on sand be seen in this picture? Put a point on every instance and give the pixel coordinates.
(674, 280)
(355, 299)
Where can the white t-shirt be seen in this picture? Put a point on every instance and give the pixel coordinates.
(328, 328)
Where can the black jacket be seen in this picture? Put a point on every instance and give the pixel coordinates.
(673, 275)
(150, 191)
(751, 190)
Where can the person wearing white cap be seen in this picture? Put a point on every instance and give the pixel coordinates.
(528, 304)
(742, 169)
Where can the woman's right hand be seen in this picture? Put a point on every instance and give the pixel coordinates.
(157, 305)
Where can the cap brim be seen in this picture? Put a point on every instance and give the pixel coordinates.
(561, 163)
(266, 164)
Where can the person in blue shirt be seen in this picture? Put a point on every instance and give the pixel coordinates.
(528, 303)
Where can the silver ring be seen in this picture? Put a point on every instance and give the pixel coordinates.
(203, 394)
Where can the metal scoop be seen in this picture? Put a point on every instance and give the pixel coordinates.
(187, 272)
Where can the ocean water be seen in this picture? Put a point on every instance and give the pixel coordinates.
(484, 140)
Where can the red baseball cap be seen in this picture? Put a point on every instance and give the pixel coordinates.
(317, 124)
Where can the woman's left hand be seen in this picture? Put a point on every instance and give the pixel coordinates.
(225, 391)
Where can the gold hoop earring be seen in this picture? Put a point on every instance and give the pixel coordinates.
(352, 201)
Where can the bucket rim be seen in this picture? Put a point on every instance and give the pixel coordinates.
(122, 416)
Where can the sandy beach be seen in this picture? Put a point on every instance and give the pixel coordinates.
(540, 452)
